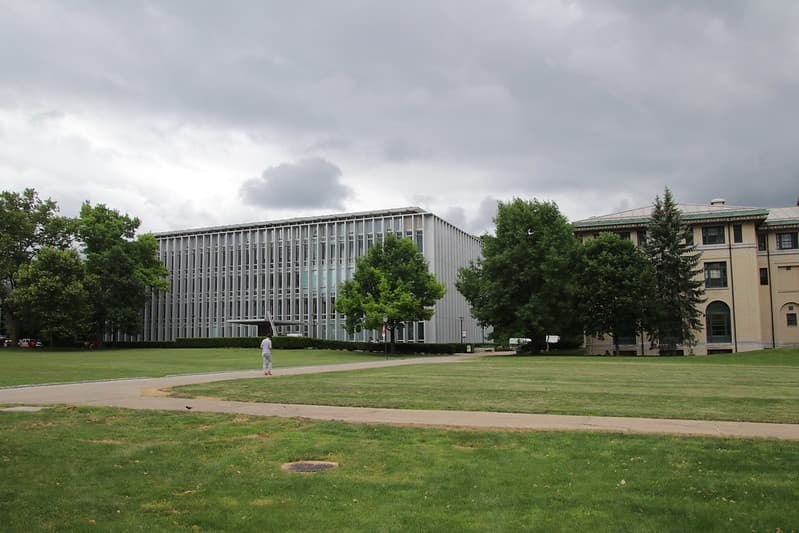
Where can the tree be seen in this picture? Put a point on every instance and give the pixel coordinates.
(522, 286)
(50, 295)
(615, 282)
(121, 270)
(27, 224)
(390, 282)
(678, 289)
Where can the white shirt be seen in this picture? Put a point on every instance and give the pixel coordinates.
(266, 346)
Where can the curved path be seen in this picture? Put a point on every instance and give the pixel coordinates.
(147, 393)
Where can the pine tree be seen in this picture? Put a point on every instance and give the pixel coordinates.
(678, 287)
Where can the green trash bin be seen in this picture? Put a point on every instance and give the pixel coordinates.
(468, 348)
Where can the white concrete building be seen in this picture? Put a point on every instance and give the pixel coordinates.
(290, 271)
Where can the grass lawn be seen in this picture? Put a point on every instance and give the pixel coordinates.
(102, 469)
(25, 367)
(755, 386)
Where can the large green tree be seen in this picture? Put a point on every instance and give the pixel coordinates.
(27, 224)
(679, 290)
(615, 283)
(523, 284)
(390, 282)
(51, 298)
(122, 269)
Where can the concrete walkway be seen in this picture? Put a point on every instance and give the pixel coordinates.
(147, 393)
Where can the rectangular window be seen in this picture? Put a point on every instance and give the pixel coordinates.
(716, 274)
(719, 328)
(641, 237)
(689, 236)
(791, 319)
(764, 276)
(737, 233)
(787, 241)
(624, 235)
(761, 242)
(713, 235)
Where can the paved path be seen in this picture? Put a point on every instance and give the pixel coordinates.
(146, 393)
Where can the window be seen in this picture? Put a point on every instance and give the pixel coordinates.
(689, 236)
(718, 322)
(761, 242)
(623, 235)
(791, 319)
(764, 276)
(787, 241)
(716, 274)
(641, 237)
(713, 235)
(737, 233)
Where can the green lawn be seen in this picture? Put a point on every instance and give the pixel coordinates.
(756, 386)
(102, 469)
(24, 366)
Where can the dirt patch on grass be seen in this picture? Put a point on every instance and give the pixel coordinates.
(104, 441)
(154, 391)
(307, 467)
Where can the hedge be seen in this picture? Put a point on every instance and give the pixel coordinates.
(297, 343)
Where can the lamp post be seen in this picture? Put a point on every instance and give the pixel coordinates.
(385, 335)
(462, 333)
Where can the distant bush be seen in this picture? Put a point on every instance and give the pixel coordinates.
(297, 343)
(140, 344)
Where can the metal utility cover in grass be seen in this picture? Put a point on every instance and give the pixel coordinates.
(23, 409)
(308, 467)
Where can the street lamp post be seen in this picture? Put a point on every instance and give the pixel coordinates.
(385, 336)
(462, 333)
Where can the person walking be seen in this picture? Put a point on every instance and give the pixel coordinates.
(266, 353)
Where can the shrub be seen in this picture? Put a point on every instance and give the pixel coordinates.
(296, 343)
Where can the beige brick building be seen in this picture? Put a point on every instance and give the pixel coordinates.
(750, 264)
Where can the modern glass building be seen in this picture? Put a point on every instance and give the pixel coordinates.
(224, 280)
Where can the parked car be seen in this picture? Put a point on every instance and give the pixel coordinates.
(29, 343)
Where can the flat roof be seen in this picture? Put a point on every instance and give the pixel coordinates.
(689, 212)
(297, 220)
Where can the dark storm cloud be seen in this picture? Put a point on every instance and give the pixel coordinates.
(308, 183)
(587, 99)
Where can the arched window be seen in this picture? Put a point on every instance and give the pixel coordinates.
(718, 322)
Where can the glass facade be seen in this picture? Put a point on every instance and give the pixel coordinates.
(289, 271)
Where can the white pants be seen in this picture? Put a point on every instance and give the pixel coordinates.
(267, 366)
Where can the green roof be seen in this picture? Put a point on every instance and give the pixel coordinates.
(640, 221)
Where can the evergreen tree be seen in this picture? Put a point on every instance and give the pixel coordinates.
(679, 289)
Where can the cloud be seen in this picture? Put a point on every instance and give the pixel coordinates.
(592, 104)
(308, 183)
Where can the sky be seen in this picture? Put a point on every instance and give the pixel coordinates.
(195, 113)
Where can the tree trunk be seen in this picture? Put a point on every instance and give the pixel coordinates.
(11, 321)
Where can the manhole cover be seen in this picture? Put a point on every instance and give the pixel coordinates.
(23, 409)
(309, 466)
